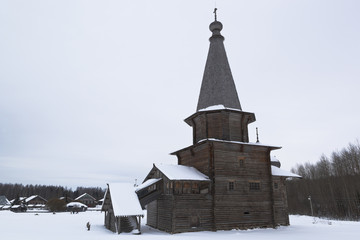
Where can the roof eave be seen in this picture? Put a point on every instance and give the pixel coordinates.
(224, 141)
(188, 120)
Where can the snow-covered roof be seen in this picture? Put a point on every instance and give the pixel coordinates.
(274, 159)
(83, 195)
(180, 172)
(30, 198)
(76, 204)
(147, 183)
(217, 107)
(124, 200)
(20, 199)
(275, 171)
(33, 197)
(4, 201)
(237, 142)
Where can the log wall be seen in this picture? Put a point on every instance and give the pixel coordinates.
(280, 201)
(197, 157)
(193, 212)
(223, 124)
(241, 206)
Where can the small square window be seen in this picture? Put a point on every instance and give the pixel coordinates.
(276, 185)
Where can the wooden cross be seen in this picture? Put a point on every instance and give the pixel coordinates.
(215, 14)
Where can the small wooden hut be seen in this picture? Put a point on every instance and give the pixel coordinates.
(122, 208)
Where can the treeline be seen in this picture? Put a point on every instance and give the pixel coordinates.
(332, 184)
(12, 191)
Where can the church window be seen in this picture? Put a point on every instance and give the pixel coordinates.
(231, 185)
(241, 162)
(254, 186)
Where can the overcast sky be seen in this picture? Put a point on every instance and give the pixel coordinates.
(96, 91)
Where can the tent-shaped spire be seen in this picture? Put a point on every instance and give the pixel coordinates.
(218, 87)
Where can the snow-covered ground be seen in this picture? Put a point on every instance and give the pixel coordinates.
(73, 226)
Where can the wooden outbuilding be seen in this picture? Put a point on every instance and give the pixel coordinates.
(122, 208)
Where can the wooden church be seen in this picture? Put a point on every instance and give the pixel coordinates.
(222, 181)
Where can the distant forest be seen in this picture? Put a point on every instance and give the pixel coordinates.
(332, 184)
(12, 191)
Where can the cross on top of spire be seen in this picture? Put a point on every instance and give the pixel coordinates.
(215, 14)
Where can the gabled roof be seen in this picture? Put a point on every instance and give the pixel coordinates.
(4, 201)
(20, 199)
(275, 171)
(147, 183)
(124, 200)
(180, 172)
(85, 195)
(33, 197)
(217, 87)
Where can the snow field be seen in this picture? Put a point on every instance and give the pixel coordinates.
(58, 226)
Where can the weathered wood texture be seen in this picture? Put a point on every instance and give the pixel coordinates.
(152, 214)
(193, 212)
(110, 220)
(160, 213)
(181, 209)
(240, 194)
(221, 124)
(280, 201)
(241, 206)
(241, 164)
(197, 157)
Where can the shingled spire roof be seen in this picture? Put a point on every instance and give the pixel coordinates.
(218, 87)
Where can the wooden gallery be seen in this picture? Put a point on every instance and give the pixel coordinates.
(222, 181)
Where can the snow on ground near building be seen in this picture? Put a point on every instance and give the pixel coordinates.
(73, 226)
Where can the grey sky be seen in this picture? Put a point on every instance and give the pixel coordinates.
(96, 91)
